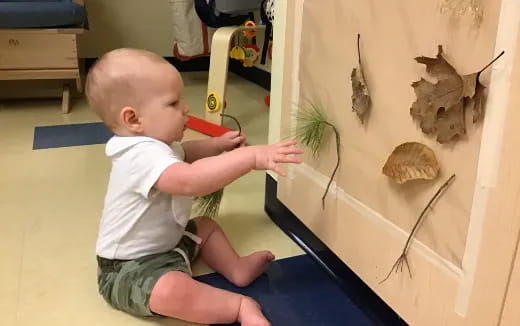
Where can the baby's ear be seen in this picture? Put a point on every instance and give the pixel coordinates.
(129, 119)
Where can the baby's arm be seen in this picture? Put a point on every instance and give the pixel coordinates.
(197, 149)
(209, 174)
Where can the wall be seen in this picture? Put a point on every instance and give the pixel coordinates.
(127, 23)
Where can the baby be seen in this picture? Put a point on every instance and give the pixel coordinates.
(146, 240)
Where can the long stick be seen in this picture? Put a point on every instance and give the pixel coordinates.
(403, 257)
(338, 147)
(234, 119)
(423, 213)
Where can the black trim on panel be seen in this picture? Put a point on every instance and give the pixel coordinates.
(366, 299)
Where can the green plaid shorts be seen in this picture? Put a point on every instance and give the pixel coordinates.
(127, 284)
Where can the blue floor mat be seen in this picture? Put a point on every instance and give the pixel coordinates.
(70, 135)
(297, 292)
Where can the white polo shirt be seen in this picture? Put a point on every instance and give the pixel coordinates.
(137, 219)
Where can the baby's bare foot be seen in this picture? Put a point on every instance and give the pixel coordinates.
(250, 267)
(250, 313)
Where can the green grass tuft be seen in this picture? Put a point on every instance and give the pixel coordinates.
(311, 127)
(209, 205)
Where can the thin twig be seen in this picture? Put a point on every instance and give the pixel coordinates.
(234, 119)
(403, 258)
(358, 50)
(338, 148)
(489, 64)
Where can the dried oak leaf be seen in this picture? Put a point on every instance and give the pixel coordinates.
(422, 109)
(475, 104)
(449, 87)
(411, 161)
(451, 92)
(474, 90)
(450, 124)
(360, 95)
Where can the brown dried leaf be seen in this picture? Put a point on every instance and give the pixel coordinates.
(360, 95)
(449, 87)
(411, 161)
(438, 66)
(475, 104)
(422, 109)
(476, 96)
(451, 92)
(470, 84)
(450, 124)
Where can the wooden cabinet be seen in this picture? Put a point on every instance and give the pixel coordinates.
(38, 51)
(41, 54)
(462, 258)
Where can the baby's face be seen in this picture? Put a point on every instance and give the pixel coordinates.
(164, 114)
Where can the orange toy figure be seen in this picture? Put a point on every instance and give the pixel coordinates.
(249, 33)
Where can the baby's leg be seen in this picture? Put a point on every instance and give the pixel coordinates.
(179, 296)
(216, 251)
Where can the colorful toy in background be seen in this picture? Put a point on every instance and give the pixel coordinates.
(249, 33)
(238, 53)
(252, 54)
(249, 53)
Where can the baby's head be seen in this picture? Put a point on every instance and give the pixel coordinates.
(138, 93)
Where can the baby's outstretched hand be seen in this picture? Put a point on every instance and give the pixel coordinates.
(230, 140)
(269, 156)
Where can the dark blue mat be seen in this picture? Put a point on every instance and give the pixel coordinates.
(297, 292)
(70, 135)
(361, 294)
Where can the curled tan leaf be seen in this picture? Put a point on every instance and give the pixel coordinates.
(411, 161)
